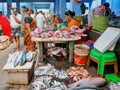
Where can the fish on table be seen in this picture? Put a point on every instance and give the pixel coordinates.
(18, 59)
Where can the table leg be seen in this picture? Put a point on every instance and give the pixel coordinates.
(71, 50)
(41, 51)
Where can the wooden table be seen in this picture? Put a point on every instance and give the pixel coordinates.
(55, 39)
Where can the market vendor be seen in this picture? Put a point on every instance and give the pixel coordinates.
(56, 20)
(29, 25)
(72, 22)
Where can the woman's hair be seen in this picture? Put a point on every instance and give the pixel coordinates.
(0, 12)
(106, 4)
(27, 9)
(24, 7)
(71, 13)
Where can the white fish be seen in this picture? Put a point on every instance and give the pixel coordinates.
(18, 59)
(29, 56)
(114, 86)
(50, 70)
(12, 57)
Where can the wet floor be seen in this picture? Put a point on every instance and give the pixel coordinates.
(58, 62)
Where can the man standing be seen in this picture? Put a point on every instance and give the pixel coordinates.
(15, 20)
(40, 20)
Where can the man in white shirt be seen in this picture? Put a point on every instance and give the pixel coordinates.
(40, 20)
(15, 20)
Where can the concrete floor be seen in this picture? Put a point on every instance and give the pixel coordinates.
(4, 85)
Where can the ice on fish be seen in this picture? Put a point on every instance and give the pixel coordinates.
(29, 56)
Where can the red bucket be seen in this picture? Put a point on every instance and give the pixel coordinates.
(80, 59)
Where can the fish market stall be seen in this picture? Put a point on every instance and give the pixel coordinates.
(55, 39)
(20, 67)
(41, 36)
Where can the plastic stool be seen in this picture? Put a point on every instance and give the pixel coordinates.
(107, 58)
(112, 78)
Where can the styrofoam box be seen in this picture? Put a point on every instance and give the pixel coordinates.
(107, 39)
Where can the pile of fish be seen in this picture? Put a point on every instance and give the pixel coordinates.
(114, 86)
(77, 73)
(51, 71)
(88, 82)
(73, 32)
(58, 52)
(20, 57)
(47, 83)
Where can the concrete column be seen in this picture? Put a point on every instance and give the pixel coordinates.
(9, 7)
(76, 7)
(103, 1)
(18, 6)
(90, 4)
(63, 8)
(57, 7)
(3, 7)
(51, 8)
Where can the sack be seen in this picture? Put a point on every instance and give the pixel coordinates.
(100, 23)
(4, 42)
(81, 49)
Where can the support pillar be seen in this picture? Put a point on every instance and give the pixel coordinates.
(90, 4)
(51, 8)
(9, 7)
(103, 1)
(63, 8)
(76, 7)
(18, 6)
(3, 7)
(57, 7)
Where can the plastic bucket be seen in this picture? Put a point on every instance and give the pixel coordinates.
(80, 54)
(80, 59)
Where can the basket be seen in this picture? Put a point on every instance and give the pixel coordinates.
(4, 42)
(100, 23)
(79, 18)
(80, 54)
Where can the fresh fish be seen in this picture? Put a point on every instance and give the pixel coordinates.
(12, 57)
(46, 83)
(41, 83)
(29, 56)
(18, 59)
(22, 61)
(50, 70)
(114, 86)
(92, 81)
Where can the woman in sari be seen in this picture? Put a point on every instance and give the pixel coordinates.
(29, 25)
(5, 25)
